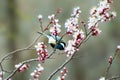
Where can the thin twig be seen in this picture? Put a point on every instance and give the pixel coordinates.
(48, 25)
(19, 50)
(84, 27)
(59, 68)
(41, 25)
(110, 64)
(22, 63)
(114, 78)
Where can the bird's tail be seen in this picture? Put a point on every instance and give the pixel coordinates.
(43, 34)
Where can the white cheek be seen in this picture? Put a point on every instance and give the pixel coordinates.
(51, 40)
(62, 44)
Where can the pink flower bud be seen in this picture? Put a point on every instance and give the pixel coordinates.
(110, 59)
(23, 67)
(40, 17)
(63, 74)
(41, 51)
(36, 73)
(59, 10)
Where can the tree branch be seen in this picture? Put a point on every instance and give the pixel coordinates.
(22, 63)
(59, 68)
(19, 50)
(110, 64)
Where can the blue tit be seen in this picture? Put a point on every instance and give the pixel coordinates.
(55, 41)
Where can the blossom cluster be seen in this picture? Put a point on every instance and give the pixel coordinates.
(42, 51)
(63, 74)
(73, 44)
(21, 67)
(36, 73)
(98, 14)
(72, 23)
(55, 29)
(72, 28)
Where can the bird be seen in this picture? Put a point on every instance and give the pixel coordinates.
(55, 41)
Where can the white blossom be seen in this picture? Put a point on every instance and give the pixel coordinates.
(40, 16)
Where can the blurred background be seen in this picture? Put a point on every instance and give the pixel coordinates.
(18, 26)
